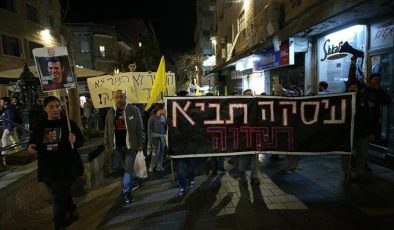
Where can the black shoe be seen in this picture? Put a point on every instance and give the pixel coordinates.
(274, 158)
(221, 170)
(254, 181)
(127, 198)
(71, 217)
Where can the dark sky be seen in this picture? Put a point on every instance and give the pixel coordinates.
(174, 20)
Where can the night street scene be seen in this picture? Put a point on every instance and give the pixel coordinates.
(196, 114)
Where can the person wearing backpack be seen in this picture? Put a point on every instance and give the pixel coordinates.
(10, 135)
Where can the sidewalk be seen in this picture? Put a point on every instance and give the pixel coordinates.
(312, 198)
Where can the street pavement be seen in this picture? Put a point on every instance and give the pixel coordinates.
(314, 197)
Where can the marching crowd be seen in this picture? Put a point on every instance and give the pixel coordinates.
(56, 139)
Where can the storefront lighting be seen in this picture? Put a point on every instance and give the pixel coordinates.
(345, 34)
(211, 61)
(214, 42)
(255, 58)
(102, 50)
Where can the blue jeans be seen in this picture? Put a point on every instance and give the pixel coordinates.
(61, 200)
(245, 160)
(157, 154)
(217, 163)
(116, 165)
(184, 171)
(126, 158)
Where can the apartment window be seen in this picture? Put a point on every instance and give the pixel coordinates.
(33, 45)
(206, 33)
(102, 51)
(85, 47)
(242, 21)
(51, 22)
(7, 5)
(11, 46)
(31, 13)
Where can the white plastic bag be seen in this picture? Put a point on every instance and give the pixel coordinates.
(140, 166)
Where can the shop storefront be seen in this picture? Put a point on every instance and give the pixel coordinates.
(375, 40)
(381, 60)
(286, 67)
(332, 65)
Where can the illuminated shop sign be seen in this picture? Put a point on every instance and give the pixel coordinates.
(270, 58)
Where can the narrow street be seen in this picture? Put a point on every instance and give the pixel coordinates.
(311, 198)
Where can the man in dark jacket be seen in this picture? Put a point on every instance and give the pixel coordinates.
(10, 135)
(124, 135)
(373, 97)
(55, 141)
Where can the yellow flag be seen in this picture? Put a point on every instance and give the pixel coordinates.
(159, 84)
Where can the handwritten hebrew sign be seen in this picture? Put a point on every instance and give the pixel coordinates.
(137, 86)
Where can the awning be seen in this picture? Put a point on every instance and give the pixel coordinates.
(79, 72)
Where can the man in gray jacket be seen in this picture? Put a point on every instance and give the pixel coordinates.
(124, 136)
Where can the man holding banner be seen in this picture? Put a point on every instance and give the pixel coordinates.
(254, 180)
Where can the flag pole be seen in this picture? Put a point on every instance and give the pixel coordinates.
(68, 118)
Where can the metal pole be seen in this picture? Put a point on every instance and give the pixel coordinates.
(172, 170)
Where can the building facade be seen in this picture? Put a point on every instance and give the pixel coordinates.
(262, 43)
(25, 25)
(95, 46)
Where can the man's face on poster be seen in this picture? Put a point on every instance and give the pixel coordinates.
(51, 136)
(55, 70)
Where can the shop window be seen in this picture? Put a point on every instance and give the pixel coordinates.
(52, 22)
(85, 47)
(242, 21)
(8, 5)
(33, 45)
(31, 13)
(206, 33)
(102, 51)
(333, 66)
(11, 46)
(383, 63)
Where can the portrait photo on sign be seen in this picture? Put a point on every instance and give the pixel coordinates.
(54, 68)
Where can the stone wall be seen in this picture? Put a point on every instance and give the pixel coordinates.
(21, 195)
